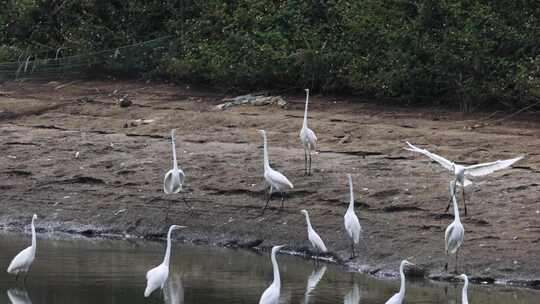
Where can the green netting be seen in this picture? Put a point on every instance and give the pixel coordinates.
(125, 60)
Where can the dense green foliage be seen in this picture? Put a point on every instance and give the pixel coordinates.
(467, 52)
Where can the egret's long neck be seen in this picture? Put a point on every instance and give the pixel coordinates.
(305, 111)
(456, 210)
(266, 161)
(308, 222)
(34, 242)
(175, 164)
(168, 250)
(277, 279)
(351, 203)
(402, 275)
(464, 299)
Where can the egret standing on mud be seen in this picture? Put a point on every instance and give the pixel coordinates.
(157, 276)
(174, 178)
(398, 297)
(352, 224)
(313, 237)
(453, 236)
(308, 139)
(464, 298)
(275, 179)
(24, 259)
(271, 294)
(460, 171)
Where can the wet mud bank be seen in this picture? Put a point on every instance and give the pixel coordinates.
(90, 167)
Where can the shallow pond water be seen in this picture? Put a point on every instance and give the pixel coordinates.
(80, 271)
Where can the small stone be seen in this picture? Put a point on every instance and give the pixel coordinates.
(124, 101)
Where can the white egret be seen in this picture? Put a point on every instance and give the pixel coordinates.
(157, 276)
(464, 298)
(313, 237)
(312, 282)
(275, 179)
(271, 294)
(18, 296)
(352, 224)
(454, 233)
(173, 292)
(24, 259)
(353, 296)
(174, 178)
(308, 139)
(461, 171)
(398, 297)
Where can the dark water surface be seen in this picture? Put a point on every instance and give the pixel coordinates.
(80, 271)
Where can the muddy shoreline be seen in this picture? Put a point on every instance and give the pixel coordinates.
(114, 187)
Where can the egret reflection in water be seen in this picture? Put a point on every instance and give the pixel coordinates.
(312, 282)
(174, 290)
(18, 296)
(353, 296)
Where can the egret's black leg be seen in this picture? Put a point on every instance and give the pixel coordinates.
(25, 277)
(309, 170)
(305, 162)
(446, 264)
(282, 199)
(464, 201)
(352, 246)
(267, 201)
(17, 277)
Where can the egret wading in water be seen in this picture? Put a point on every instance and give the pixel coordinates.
(308, 139)
(398, 297)
(313, 237)
(461, 171)
(275, 179)
(24, 259)
(174, 178)
(271, 294)
(453, 236)
(464, 298)
(352, 224)
(157, 276)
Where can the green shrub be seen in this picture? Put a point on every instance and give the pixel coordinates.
(469, 54)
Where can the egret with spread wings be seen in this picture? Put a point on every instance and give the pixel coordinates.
(460, 171)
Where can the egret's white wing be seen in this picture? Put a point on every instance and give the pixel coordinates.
(352, 225)
(312, 139)
(487, 168)
(279, 178)
(441, 160)
(316, 241)
(155, 278)
(447, 233)
(21, 262)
